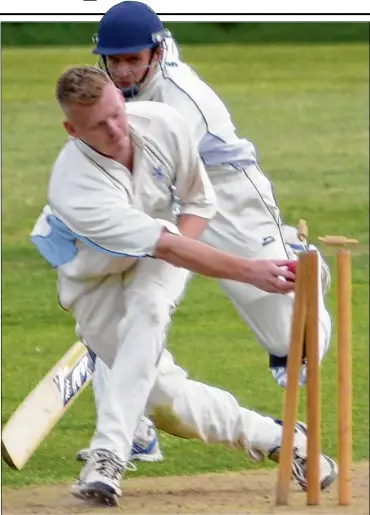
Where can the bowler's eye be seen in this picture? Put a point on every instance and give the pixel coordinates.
(113, 60)
(134, 59)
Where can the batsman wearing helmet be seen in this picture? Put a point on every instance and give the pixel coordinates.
(143, 61)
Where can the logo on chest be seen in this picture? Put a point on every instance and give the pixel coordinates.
(159, 174)
(267, 240)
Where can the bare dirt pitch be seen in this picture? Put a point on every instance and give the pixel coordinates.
(231, 493)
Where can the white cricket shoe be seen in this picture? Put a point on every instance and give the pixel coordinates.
(99, 481)
(328, 467)
(145, 447)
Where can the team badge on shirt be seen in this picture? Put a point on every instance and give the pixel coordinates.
(158, 173)
(267, 240)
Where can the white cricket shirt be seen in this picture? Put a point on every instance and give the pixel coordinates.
(97, 207)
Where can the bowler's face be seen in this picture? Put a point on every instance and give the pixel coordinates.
(104, 125)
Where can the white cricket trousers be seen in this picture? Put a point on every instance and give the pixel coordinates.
(126, 326)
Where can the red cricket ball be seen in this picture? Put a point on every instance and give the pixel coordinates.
(292, 265)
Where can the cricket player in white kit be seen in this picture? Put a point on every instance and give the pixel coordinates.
(143, 61)
(108, 230)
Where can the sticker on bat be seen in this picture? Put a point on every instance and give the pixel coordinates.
(70, 380)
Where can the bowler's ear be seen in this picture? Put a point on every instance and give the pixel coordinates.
(69, 128)
(158, 54)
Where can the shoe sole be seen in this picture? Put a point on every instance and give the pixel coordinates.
(96, 494)
(329, 480)
(148, 458)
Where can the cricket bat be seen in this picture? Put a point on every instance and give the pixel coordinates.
(46, 404)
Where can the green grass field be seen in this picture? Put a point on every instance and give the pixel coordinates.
(306, 109)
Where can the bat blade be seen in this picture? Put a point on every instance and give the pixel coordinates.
(36, 416)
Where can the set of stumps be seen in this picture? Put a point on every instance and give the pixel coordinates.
(305, 330)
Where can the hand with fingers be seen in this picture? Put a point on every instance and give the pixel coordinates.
(273, 276)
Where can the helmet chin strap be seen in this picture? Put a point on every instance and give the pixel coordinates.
(134, 89)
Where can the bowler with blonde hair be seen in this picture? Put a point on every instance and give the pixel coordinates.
(123, 260)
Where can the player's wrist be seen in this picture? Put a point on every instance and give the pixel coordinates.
(243, 270)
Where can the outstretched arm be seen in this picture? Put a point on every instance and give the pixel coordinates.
(267, 275)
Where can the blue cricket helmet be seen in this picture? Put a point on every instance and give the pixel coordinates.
(128, 27)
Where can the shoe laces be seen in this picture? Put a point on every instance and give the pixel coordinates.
(299, 465)
(299, 470)
(109, 465)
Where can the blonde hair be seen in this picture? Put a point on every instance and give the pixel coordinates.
(81, 85)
